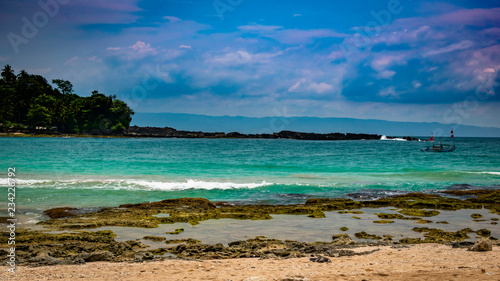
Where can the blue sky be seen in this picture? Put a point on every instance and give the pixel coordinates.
(419, 61)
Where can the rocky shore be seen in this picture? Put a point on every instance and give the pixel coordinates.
(66, 238)
(167, 132)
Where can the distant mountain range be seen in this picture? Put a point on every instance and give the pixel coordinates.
(267, 125)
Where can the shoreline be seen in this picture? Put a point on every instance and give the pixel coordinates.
(428, 261)
(73, 237)
(167, 132)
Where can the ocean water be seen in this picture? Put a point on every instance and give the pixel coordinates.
(98, 172)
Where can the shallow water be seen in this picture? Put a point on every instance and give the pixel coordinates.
(304, 229)
(97, 172)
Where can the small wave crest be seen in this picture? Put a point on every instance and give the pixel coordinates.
(490, 173)
(130, 184)
(196, 184)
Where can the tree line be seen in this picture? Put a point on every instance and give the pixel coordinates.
(29, 101)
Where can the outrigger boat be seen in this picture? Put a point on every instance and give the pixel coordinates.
(441, 147)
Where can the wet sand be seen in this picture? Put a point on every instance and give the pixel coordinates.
(418, 262)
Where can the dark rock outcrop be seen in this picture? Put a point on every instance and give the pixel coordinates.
(483, 245)
(167, 132)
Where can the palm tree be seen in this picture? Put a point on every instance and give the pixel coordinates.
(8, 74)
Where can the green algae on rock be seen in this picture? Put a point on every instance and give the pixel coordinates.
(57, 213)
(419, 212)
(365, 235)
(433, 235)
(483, 232)
(155, 238)
(342, 239)
(177, 231)
(476, 216)
(344, 228)
(351, 212)
(383, 221)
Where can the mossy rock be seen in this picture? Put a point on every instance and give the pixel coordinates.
(155, 238)
(383, 221)
(177, 231)
(386, 216)
(355, 217)
(57, 213)
(344, 228)
(442, 222)
(476, 216)
(187, 241)
(483, 232)
(494, 219)
(419, 212)
(365, 235)
(433, 235)
(317, 214)
(351, 212)
(342, 239)
(410, 241)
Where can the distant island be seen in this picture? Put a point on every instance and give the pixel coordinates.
(31, 106)
(156, 132)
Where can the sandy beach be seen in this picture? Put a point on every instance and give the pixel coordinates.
(418, 262)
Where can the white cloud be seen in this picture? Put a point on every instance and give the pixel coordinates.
(185, 47)
(297, 15)
(321, 87)
(335, 55)
(259, 28)
(3, 58)
(142, 48)
(113, 49)
(386, 74)
(172, 19)
(388, 92)
(489, 70)
(296, 85)
(73, 59)
(462, 45)
(244, 57)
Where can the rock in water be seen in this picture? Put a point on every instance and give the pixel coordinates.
(482, 245)
(342, 239)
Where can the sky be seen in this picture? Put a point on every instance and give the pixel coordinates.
(396, 60)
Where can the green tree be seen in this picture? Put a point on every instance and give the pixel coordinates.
(64, 86)
(8, 74)
(38, 116)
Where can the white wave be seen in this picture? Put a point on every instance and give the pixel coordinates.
(196, 184)
(393, 139)
(491, 173)
(121, 184)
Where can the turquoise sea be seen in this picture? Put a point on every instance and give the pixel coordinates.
(98, 172)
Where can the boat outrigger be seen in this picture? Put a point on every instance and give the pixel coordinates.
(441, 147)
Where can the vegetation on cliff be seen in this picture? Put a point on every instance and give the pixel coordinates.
(30, 102)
